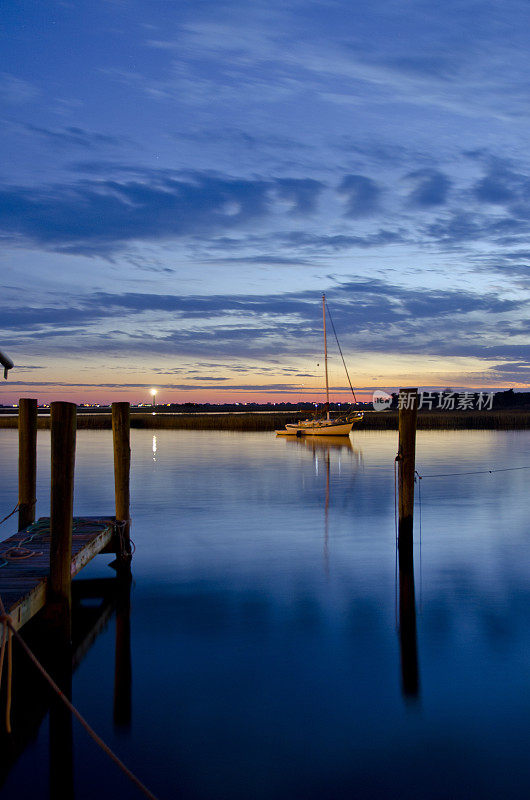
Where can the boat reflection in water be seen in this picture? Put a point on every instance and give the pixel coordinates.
(322, 447)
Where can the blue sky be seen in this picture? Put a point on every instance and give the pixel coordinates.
(181, 181)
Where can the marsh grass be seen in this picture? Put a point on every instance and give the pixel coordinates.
(240, 422)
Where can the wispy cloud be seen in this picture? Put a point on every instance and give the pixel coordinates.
(75, 136)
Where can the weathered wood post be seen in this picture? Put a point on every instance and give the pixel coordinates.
(27, 461)
(122, 467)
(408, 412)
(63, 431)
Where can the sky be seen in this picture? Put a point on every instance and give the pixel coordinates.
(181, 181)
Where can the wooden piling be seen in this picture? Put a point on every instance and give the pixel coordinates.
(27, 461)
(122, 467)
(408, 412)
(63, 432)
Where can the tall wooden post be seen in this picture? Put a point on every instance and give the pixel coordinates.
(408, 411)
(27, 461)
(63, 431)
(122, 467)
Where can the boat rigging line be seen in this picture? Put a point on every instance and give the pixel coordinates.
(340, 349)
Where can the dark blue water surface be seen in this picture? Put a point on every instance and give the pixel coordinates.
(265, 628)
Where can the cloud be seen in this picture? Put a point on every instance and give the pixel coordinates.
(362, 195)
(460, 226)
(370, 315)
(355, 303)
(76, 136)
(268, 260)
(500, 186)
(302, 194)
(16, 91)
(34, 318)
(101, 216)
(252, 140)
(271, 388)
(428, 66)
(431, 188)
(338, 242)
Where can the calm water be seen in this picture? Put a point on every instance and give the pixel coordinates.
(264, 623)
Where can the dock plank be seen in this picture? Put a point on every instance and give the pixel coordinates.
(23, 582)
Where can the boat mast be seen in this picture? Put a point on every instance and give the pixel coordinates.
(325, 354)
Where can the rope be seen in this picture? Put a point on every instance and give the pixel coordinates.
(340, 351)
(7, 622)
(397, 458)
(396, 621)
(478, 472)
(9, 680)
(416, 474)
(17, 508)
(11, 514)
(19, 553)
(6, 635)
(119, 528)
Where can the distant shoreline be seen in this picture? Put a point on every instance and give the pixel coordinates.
(270, 420)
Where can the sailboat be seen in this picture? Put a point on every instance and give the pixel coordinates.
(325, 426)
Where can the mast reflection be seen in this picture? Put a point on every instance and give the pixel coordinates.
(321, 448)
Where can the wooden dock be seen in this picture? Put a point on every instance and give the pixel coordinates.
(24, 577)
(37, 565)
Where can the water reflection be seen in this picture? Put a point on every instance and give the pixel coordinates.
(60, 725)
(407, 625)
(94, 601)
(122, 663)
(322, 448)
(154, 448)
(316, 443)
(284, 683)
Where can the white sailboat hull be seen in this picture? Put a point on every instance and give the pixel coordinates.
(317, 429)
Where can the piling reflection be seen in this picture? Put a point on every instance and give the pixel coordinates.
(122, 663)
(60, 725)
(407, 625)
(94, 601)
